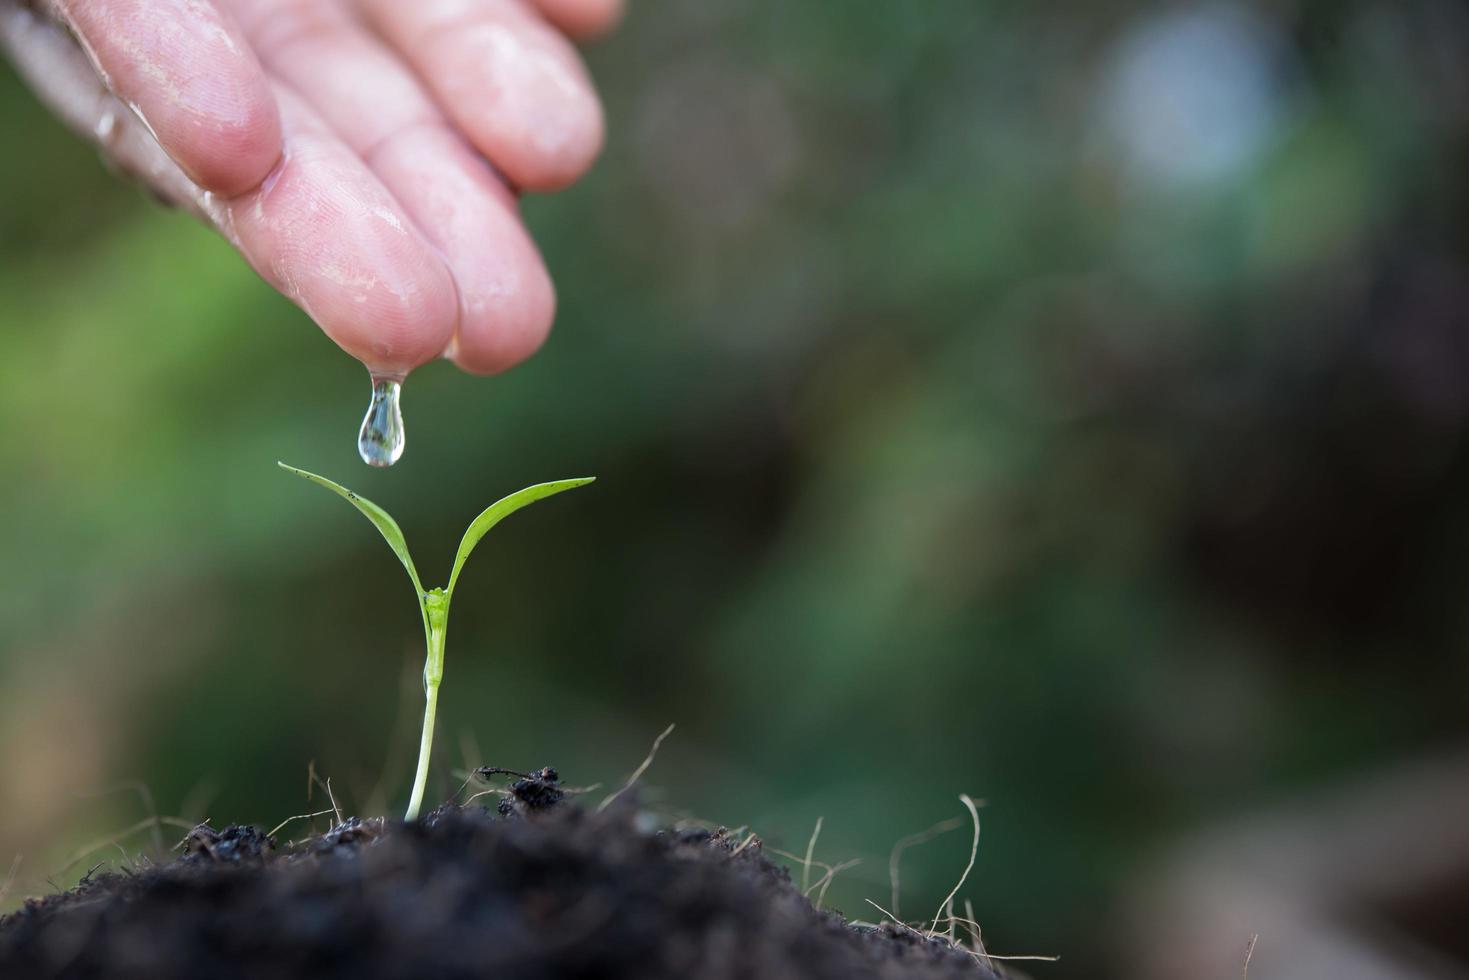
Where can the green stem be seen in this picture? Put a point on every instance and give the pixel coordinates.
(433, 673)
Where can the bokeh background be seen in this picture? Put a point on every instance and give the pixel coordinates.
(1063, 403)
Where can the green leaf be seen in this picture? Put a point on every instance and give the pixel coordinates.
(501, 509)
(379, 517)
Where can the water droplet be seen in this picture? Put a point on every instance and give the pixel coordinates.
(380, 442)
(106, 127)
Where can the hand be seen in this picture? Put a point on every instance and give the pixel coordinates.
(363, 155)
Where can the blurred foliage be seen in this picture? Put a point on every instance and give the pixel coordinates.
(1063, 403)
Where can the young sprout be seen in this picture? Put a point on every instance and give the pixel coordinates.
(434, 603)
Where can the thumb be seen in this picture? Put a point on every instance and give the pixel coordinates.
(47, 57)
(186, 71)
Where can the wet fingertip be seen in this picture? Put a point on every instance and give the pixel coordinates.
(560, 150)
(234, 156)
(189, 78)
(332, 240)
(498, 352)
(404, 335)
(497, 331)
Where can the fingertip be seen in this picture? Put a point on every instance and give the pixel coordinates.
(325, 232)
(400, 329)
(526, 103)
(186, 71)
(584, 20)
(498, 330)
(511, 82)
(232, 155)
(554, 154)
(505, 295)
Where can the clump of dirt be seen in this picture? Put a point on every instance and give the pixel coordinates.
(532, 792)
(236, 844)
(542, 890)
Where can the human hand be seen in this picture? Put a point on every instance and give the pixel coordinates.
(341, 146)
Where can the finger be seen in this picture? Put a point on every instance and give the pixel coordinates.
(371, 100)
(45, 54)
(583, 19)
(349, 78)
(509, 80)
(506, 298)
(325, 232)
(185, 70)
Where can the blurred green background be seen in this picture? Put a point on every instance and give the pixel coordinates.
(1062, 403)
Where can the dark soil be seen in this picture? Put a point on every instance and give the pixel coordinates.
(542, 889)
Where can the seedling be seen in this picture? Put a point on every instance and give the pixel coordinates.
(434, 603)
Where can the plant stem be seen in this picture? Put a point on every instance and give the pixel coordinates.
(433, 673)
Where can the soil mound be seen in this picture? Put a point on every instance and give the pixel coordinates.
(541, 890)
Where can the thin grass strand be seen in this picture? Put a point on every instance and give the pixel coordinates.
(810, 850)
(5, 886)
(913, 840)
(638, 772)
(300, 816)
(829, 877)
(973, 809)
(123, 835)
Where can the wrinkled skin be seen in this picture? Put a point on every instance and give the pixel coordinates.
(364, 156)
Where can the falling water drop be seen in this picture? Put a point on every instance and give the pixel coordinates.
(380, 442)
